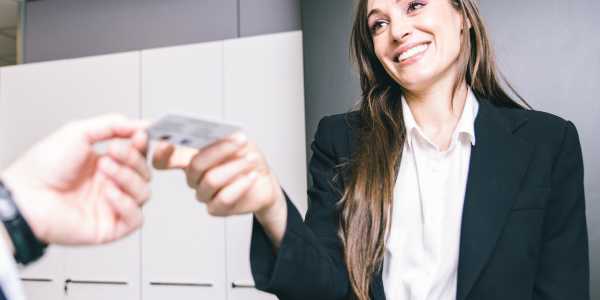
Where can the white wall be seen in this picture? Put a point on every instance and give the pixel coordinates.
(181, 253)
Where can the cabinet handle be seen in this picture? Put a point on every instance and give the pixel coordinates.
(36, 280)
(94, 282)
(193, 284)
(101, 282)
(242, 285)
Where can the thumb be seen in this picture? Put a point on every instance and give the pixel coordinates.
(167, 156)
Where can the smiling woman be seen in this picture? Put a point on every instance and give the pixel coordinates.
(438, 186)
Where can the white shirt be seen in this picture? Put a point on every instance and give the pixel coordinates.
(9, 276)
(421, 257)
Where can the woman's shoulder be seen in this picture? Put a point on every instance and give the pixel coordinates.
(342, 121)
(540, 127)
(337, 133)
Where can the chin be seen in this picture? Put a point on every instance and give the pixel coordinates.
(415, 82)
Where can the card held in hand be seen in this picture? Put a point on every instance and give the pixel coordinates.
(190, 131)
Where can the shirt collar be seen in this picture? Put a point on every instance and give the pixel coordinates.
(464, 127)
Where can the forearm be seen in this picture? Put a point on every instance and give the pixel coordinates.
(273, 219)
(305, 266)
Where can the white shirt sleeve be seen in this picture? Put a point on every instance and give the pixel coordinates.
(9, 275)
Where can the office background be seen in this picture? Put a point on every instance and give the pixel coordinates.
(548, 49)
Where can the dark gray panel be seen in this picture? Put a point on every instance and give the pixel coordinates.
(331, 85)
(60, 29)
(268, 16)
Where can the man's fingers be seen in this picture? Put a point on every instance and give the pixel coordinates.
(130, 156)
(130, 182)
(129, 215)
(167, 156)
(213, 155)
(123, 229)
(109, 126)
(140, 141)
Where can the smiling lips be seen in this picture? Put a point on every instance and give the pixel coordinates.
(406, 54)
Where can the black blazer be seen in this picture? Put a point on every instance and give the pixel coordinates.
(523, 232)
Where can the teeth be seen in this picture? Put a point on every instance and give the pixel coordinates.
(412, 52)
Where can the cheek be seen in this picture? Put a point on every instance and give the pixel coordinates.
(445, 28)
(447, 43)
(380, 48)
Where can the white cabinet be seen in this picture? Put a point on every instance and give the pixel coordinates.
(181, 253)
(43, 289)
(36, 99)
(183, 248)
(265, 93)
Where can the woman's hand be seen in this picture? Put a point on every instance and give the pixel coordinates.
(231, 177)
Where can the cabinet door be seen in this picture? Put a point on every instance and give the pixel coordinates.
(47, 289)
(40, 280)
(183, 247)
(39, 98)
(264, 92)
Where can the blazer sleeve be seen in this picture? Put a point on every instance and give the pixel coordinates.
(309, 263)
(563, 271)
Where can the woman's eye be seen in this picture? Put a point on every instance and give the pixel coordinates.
(415, 5)
(377, 25)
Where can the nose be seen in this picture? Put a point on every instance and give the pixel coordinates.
(400, 29)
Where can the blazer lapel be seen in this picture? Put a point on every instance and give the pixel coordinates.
(498, 163)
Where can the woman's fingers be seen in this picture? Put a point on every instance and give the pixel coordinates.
(226, 198)
(130, 182)
(219, 176)
(213, 155)
(167, 156)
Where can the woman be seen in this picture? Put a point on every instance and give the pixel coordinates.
(439, 186)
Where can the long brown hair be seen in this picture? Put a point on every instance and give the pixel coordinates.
(367, 199)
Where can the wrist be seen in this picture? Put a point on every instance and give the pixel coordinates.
(24, 196)
(273, 211)
(273, 218)
(26, 246)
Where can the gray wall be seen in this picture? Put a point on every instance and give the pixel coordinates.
(59, 29)
(549, 50)
(330, 83)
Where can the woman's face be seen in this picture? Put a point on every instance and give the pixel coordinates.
(417, 41)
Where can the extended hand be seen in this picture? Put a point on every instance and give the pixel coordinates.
(71, 195)
(232, 177)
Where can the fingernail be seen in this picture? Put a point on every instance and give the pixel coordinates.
(239, 138)
(147, 193)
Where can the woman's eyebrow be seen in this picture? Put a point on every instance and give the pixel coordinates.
(372, 12)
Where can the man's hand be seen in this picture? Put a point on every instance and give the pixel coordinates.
(71, 195)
